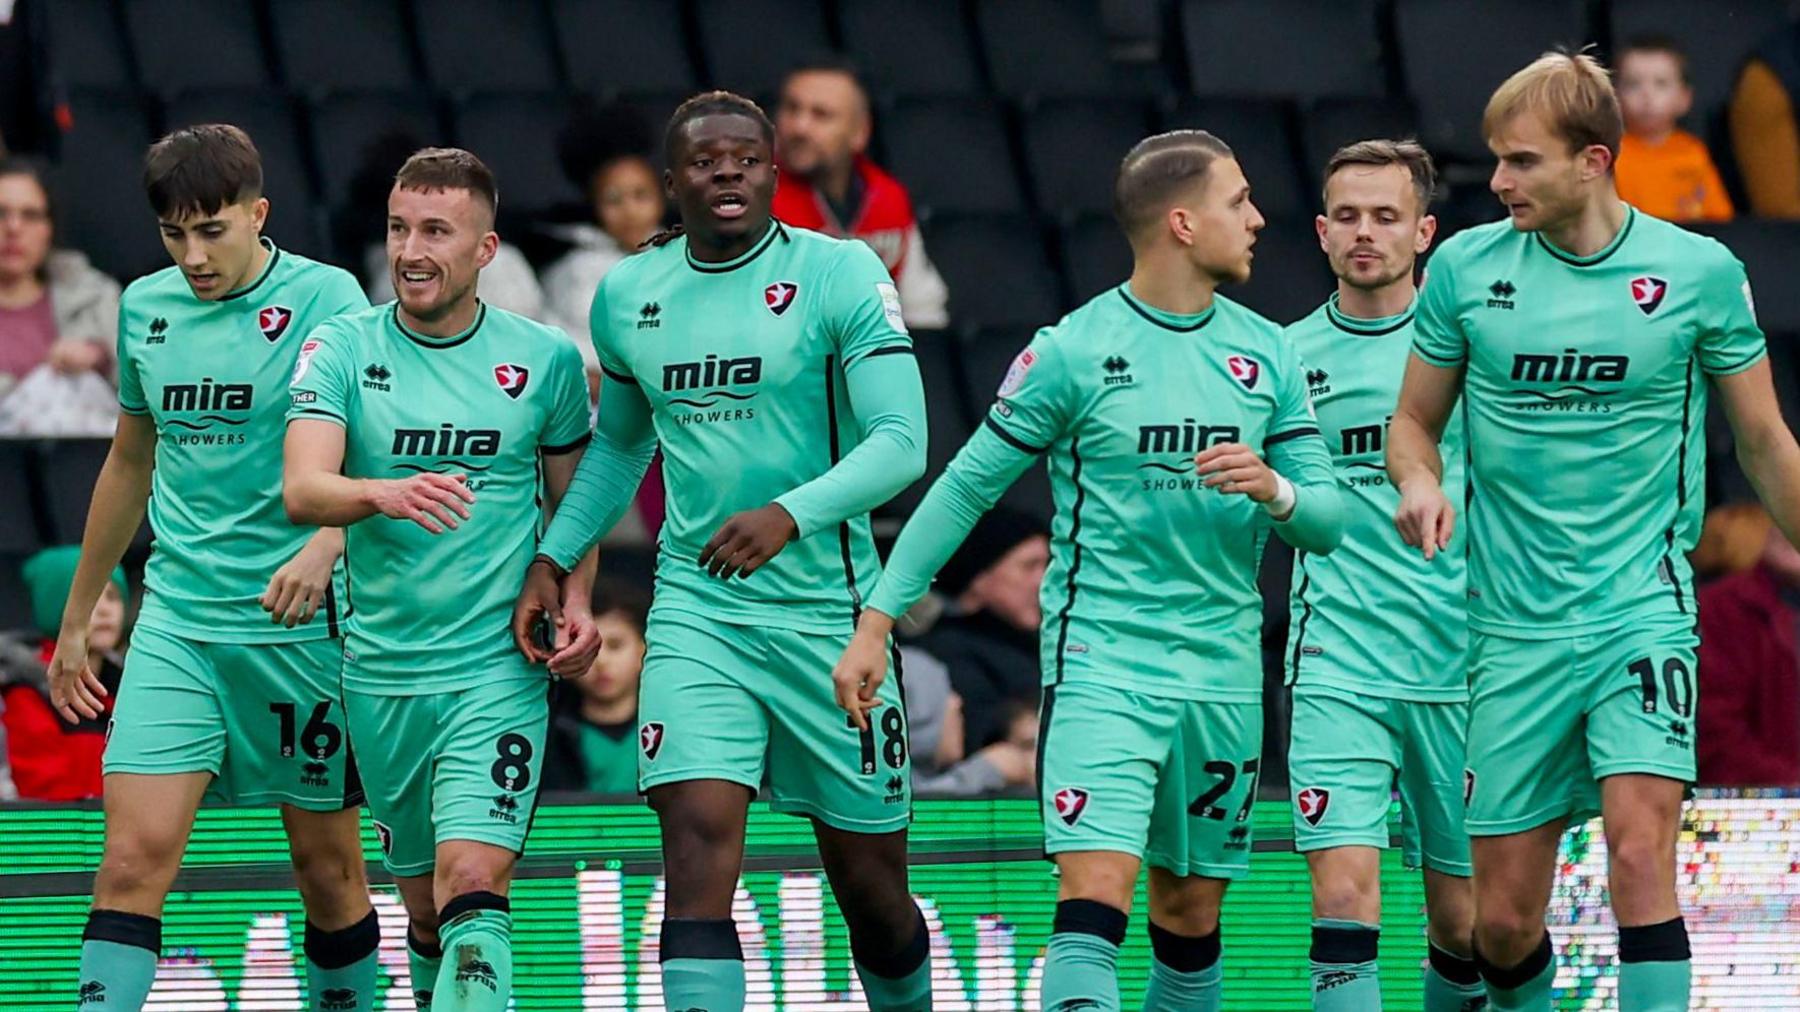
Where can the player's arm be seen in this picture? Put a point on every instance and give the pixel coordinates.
(1734, 353)
(1428, 392)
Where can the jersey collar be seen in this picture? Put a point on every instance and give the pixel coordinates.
(426, 340)
(1367, 328)
(774, 231)
(267, 271)
(1588, 261)
(1179, 322)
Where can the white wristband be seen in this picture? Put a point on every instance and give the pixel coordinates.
(1285, 496)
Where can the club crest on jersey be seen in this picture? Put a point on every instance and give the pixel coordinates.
(1648, 293)
(779, 296)
(1312, 803)
(511, 378)
(1244, 370)
(650, 739)
(386, 836)
(1070, 803)
(273, 321)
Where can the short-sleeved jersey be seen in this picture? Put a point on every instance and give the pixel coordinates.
(743, 364)
(431, 612)
(1374, 617)
(213, 377)
(1152, 578)
(1586, 398)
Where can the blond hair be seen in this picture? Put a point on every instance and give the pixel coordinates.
(1573, 94)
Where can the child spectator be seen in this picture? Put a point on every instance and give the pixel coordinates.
(593, 740)
(1663, 170)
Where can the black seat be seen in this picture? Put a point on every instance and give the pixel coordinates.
(99, 172)
(996, 270)
(1097, 255)
(986, 356)
(947, 420)
(888, 37)
(1767, 250)
(344, 124)
(336, 45)
(1289, 277)
(514, 135)
(1332, 123)
(1451, 73)
(631, 46)
(184, 44)
(19, 534)
(15, 602)
(1260, 133)
(750, 44)
(952, 155)
(1283, 48)
(69, 468)
(1073, 149)
(486, 45)
(1716, 37)
(1051, 47)
(86, 44)
(272, 124)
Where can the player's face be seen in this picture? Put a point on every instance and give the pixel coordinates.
(1225, 223)
(107, 625)
(24, 226)
(1539, 178)
(216, 251)
(723, 179)
(821, 123)
(620, 662)
(1372, 230)
(1009, 587)
(628, 202)
(437, 243)
(1652, 94)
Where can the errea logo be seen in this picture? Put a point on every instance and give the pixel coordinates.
(1116, 371)
(1502, 293)
(649, 316)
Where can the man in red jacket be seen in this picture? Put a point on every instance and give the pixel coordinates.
(1749, 721)
(829, 184)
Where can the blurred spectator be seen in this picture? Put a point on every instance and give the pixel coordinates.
(988, 636)
(52, 759)
(934, 725)
(59, 320)
(829, 184)
(1748, 729)
(1663, 170)
(1764, 134)
(593, 741)
(25, 91)
(1731, 540)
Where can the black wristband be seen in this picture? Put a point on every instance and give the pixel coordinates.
(555, 570)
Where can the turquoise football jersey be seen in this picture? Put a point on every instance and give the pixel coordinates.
(1373, 616)
(432, 612)
(213, 377)
(743, 365)
(1586, 397)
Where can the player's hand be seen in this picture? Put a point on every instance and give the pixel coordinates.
(860, 672)
(1234, 468)
(577, 643)
(74, 688)
(1426, 516)
(747, 540)
(298, 587)
(540, 600)
(434, 501)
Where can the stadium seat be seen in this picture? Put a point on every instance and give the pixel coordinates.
(986, 356)
(1052, 47)
(1283, 48)
(1289, 277)
(1073, 148)
(947, 421)
(270, 120)
(656, 108)
(886, 37)
(19, 533)
(486, 45)
(68, 468)
(952, 155)
(750, 44)
(514, 135)
(996, 270)
(86, 44)
(344, 124)
(1767, 250)
(1716, 36)
(15, 602)
(103, 212)
(336, 45)
(613, 46)
(184, 44)
(1456, 53)
(1332, 123)
(1097, 255)
(1261, 135)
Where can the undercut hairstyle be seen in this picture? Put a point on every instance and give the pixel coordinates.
(432, 169)
(1664, 44)
(200, 170)
(1573, 94)
(714, 103)
(1160, 169)
(1408, 154)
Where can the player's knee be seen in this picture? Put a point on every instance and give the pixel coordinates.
(1346, 898)
(328, 874)
(1641, 860)
(465, 877)
(135, 862)
(1507, 936)
(1191, 911)
(1451, 926)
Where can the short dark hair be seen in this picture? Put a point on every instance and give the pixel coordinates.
(1654, 43)
(34, 170)
(449, 169)
(1159, 168)
(1407, 153)
(202, 169)
(714, 103)
(626, 599)
(828, 63)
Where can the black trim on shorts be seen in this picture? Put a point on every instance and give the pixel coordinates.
(355, 796)
(1305, 615)
(1668, 561)
(537, 799)
(1062, 618)
(331, 615)
(1282, 437)
(1011, 440)
(831, 431)
(1046, 709)
(562, 448)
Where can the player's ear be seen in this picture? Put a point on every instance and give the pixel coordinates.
(668, 182)
(1319, 227)
(1595, 160)
(259, 214)
(1180, 223)
(489, 246)
(1427, 232)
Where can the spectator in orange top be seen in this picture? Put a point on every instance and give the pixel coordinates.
(1663, 170)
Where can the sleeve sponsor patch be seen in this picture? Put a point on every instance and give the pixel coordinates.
(305, 360)
(304, 397)
(890, 305)
(1015, 373)
(1749, 300)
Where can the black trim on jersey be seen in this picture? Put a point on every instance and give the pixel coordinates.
(1741, 364)
(1062, 618)
(1177, 328)
(331, 615)
(892, 349)
(1282, 437)
(1438, 360)
(557, 451)
(1347, 324)
(618, 377)
(1598, 258)
(1011, 440)
(831, 429)
(762, 245)
(1305, 614)
(268, 269)
(438, 344)
(334, 416)
(1668, 562)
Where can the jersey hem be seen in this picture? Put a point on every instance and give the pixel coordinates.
(375, 683)
(1162, 690)
(1570, 630)
(267, 635)
(1303, 683)
(840, 626)
(1734, 369)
